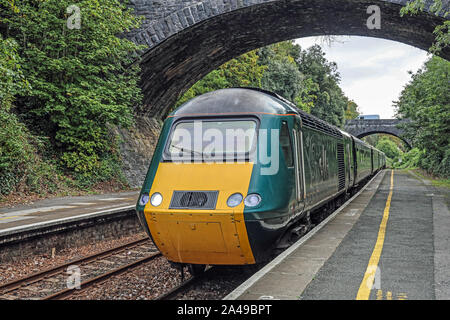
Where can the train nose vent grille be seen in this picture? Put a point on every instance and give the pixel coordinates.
(204, 200)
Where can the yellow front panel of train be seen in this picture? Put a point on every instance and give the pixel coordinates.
(201, 236)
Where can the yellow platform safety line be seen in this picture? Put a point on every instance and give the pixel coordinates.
(9, 218)
(369, 276)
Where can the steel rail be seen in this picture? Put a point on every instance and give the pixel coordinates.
(183, 286)
(41, 275)
(99, 279)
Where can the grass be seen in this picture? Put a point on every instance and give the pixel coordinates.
(435, 181)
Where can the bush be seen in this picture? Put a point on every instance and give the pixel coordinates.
(410, 159)
(389, 148)
(21, 167)
(425, 101)
(82, 79)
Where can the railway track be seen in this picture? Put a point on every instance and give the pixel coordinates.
(209, 284)
(52, 283)
(183, 286)
(190, 283)
(97, 268)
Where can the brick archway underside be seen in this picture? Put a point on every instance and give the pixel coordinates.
(363, 128)
(188, 39)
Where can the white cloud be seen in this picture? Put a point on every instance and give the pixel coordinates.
(373, 71)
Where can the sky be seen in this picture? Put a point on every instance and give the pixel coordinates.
(373, 71)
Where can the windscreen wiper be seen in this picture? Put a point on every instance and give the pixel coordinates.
(188, 150)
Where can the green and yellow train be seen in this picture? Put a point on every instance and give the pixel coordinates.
(238, 173)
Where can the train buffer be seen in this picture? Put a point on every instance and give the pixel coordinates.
(390, 243)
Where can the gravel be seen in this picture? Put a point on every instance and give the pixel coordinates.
(13, 270)
(144, 282)
(218, 283)
(157, 277)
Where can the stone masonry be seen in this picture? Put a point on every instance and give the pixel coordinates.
(187, 39)
(136, 148)
(362, 128)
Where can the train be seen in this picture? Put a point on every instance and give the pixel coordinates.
(241, 173)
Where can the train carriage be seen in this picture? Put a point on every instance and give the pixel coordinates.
(349, 160)
(363, 160)
(211, 199)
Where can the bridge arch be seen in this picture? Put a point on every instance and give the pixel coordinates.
(188, 39)
(363, 128)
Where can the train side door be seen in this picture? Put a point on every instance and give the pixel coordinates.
(355, 162)
(299, 169)
(349, 165)
(371, 160)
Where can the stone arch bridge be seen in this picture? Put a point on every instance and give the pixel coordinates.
(187, 39)
(362, 128)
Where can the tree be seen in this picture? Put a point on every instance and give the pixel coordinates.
(330, 103)
(12, 79)
(79, 78)
(20, 163)
(283, 78)
(441, 32)
(389, 148)
(306, 78)
(426, 101)
(244, 71)
(351, 112)
(14, 147)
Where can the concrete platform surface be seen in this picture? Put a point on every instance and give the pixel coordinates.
(392, 242)
(22, 216)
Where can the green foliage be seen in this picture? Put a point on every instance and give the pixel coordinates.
(426, 101)
(389, 148)
(374, 139)
(304, 77)
(441, 32)
(283, 78)
(284, 75)
(330, 103)
(410, 159)
(351, 112)
(307, 96)
(79, 80)
(281, 75)
(14, 147)
(14, 151)
(243, 71)
(21, 167)
(11, 77)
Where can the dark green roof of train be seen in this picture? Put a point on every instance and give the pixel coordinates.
(250, 101)
(253, 101)
(234, 100)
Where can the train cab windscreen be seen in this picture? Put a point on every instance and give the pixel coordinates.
(212, 140)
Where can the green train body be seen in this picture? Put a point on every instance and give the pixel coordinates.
(318, 166)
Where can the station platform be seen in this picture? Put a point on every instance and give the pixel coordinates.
(391, 242)
(54, 209)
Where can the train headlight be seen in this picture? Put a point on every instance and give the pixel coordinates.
(252, 200)
(144, 199)
(234, 200)
(156, 199)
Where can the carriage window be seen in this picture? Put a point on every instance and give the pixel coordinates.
(286, 145)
